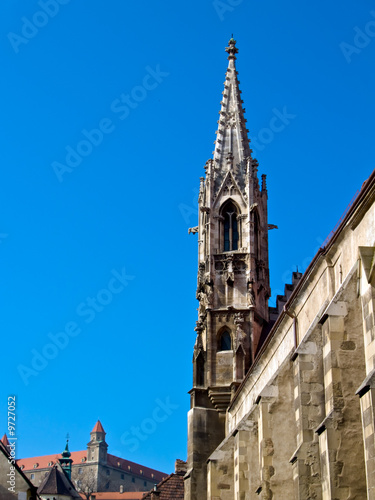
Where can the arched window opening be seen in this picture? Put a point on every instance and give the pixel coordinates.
(256, 235)
(200, 370)
(225, 341)
(231, 235)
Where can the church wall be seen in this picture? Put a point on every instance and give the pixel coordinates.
(262, 373)
(309, 305)
(314, 434)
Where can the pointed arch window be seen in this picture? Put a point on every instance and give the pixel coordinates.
(225, 341)
(231, 235)
(200, 370)
(256, 234)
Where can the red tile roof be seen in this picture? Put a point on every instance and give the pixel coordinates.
(98, 427)
(44, 461)
(127, 495)
(4, 440)
(134, 468)
(79, 457)
(171, 488)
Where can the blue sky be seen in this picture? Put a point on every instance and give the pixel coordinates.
(96, 256)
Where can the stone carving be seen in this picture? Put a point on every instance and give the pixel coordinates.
(201, 308)
(229, 276)
(201, 270)
(193, 230)
(199, 326)
(250, 294)
(198, 346)
(231, 120)
(204, 291)
(240, 334)
(233, 263)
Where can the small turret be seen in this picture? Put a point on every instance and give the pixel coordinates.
(66, 461)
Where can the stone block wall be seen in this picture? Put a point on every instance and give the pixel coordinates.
(302, 425)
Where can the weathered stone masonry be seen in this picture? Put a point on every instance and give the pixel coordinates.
(288, 411)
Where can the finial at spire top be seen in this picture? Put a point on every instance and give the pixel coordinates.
(66, 453)
(232, 49)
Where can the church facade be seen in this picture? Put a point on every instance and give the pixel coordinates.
(282, 398)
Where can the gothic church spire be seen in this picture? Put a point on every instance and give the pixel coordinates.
(232, 142)
(233, 279)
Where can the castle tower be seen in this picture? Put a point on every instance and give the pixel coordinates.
(233, 279)
(97, 447)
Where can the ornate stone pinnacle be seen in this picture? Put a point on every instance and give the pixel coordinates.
(232, 49)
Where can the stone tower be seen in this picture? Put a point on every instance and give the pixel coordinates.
(233, 280)
(97, 447)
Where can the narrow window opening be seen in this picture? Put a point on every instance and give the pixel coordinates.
(225, 342)
(200, 370)
(231, 235)
(256, 235)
